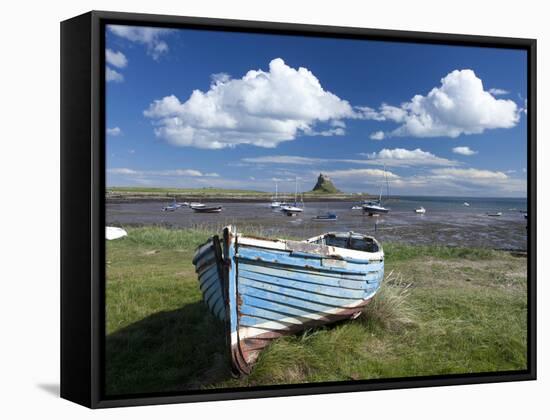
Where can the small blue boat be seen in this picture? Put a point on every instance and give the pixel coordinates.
(266, 288)
(327, 217)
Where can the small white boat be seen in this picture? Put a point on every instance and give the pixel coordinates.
(275, 203)
(420, 210)
(196, 205)
(171, 207)
(112, 233)
(291, 210)
(496, 214)
(357, 208)
(374, 207)
(466, 204)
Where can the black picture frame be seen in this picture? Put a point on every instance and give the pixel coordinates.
(83, 206)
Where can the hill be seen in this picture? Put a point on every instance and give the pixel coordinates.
(325, 186)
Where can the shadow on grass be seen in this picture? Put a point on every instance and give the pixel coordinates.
(167, 351)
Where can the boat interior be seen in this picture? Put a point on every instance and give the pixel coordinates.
(348, 240)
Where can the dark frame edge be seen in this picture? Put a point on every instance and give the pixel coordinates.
(76, 245)
(88, 389)
(306, 29)
(532, 208)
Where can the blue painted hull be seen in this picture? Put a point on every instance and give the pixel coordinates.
(208, 265)
(264, 289)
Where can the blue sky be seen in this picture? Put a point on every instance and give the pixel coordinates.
(188, 108)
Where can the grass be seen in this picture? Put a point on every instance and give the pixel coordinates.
(218, 193)
(439, 311)
(161, 190)
(206, 191)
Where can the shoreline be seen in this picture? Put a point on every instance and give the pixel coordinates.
(231, 198)
(517, 252)
(444, 225)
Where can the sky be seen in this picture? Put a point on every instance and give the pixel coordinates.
(194, 108)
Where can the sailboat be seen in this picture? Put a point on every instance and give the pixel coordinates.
(375, 206)
(275, 203)
(293, 210)
(171, 207)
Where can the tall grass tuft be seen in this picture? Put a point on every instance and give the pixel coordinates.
(390, 308)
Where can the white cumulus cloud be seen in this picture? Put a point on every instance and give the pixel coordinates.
(113, 75)
(378, 135)
(115, 58)
(115, 131)
(464, 150)
(497, 92)
(459, 106)
(263, 108)
(149, 37)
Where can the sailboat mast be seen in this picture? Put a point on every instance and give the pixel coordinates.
(296, 192)
(387, 183)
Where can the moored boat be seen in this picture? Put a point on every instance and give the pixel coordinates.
(420, 210)
(495, 214)
(170, 207)
(327, 217)
(275, 202)
(112, 233)
(374, 207)
(291, 210)
(267, 288)
(208, 209)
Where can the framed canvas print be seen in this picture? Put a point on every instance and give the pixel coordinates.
(255, 209)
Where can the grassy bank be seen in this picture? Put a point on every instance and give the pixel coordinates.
(220, 194)
(440, 311)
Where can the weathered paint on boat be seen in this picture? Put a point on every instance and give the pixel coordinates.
(208, 262)
(271, 288)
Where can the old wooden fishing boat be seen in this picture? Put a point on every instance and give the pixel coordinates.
(265, 288)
